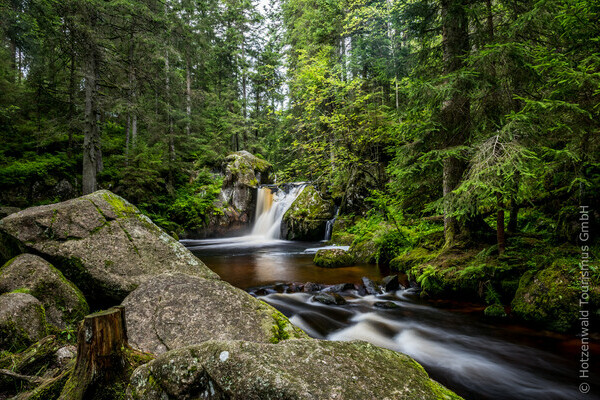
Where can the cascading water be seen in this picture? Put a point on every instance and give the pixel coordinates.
(329, 226)
(271, 206)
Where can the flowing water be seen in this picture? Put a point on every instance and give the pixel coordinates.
(477, 358)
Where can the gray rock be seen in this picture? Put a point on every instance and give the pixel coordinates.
(5, 211)
(329, 298)
(388, 305)
(294, 369)
(63, 302)
(171, 311)
(307, 217)
(310, 287)
(342, 287)
(100, 242)
(22, 321)
(391, 283)
(370, 287)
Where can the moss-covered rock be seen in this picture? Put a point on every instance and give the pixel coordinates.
(495, 311)
(333, 258)
(63, 302)
(294, 369)
(307, 217)
(175, 310)
(22, 321)
(548, 298)
(100, 242)
(242, 174)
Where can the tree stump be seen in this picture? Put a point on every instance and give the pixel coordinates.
(102, 356)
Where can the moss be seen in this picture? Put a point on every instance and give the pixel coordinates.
(283, 329)
(120, 207)
(22, 290)
(495, 311)
(414, 257)
(547, 298)
(333, 258)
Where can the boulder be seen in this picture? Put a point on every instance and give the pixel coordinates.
(548, 298)
(22, 321)
(295, 369)
(370, 287)
(310, 287)
(243, 173)
(386, 305)
(333, 258)
(329, 298)
(100, 242)
(341, 287)
(5, 211)
(307, 217)
(171, 311)
(63, 302)
(391, 283)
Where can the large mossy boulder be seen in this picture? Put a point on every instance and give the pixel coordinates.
(242, 174)
(333, 258)
(100, 242)
(22, 321)
(63, 302)
(307, 217)
(176, 310)
(548, 298)
(295, 369)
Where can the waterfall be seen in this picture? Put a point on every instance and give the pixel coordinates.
(329, 226)
(271, 205)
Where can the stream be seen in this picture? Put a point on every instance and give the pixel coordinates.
(475, 357)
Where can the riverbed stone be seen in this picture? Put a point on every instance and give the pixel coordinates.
(307, 217)
(294, 369)
(391, 283)
(333, 258)
(370, 286)
(22, 321)
(170, 311)
(100, 242)
(329, 298)
(63, 302)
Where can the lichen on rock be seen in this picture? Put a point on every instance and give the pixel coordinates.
(171, 311)
(293, 369)
(63, 302)
(100, 242)
(22, 321)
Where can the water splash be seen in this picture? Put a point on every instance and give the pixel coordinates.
(271, 206)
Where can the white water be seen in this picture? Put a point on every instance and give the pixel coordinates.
(270, 209)
(329, 226)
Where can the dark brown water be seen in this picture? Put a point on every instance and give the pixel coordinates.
(477, 358)
(254, 261)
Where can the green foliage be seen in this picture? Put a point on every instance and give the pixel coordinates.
(195, 203)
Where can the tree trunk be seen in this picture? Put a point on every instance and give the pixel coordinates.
(91, 140)
(455, 113)
(101, 354)
(500, 226)
(188, 95)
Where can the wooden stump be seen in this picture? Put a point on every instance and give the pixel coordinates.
(102, 351)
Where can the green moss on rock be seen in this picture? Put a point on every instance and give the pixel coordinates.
(307, 217)
(549, 298)
(333, 258)
(495, 311)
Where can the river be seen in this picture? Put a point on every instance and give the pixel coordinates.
(477, 358)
